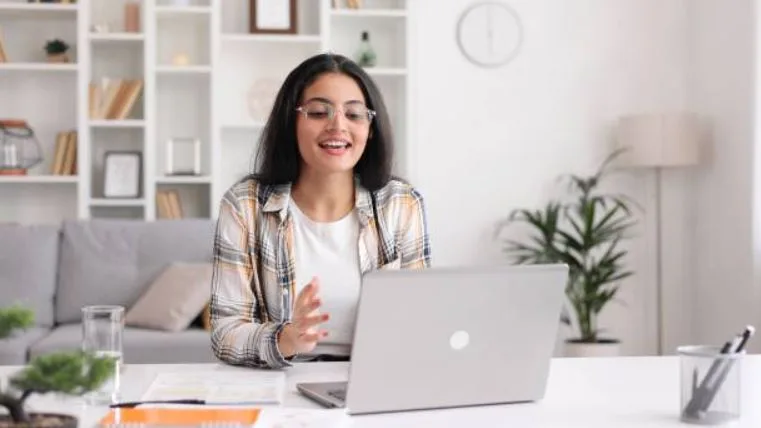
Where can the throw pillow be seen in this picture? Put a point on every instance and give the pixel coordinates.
(174, 298)
(207, 318)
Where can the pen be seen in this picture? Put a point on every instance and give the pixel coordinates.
(749, 331)
(130, 404)
(697, 399)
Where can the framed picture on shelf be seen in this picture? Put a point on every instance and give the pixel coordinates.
(273, 16)
(122, 171)
(183, 156)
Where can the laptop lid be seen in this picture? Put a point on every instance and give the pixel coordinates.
(451, 337)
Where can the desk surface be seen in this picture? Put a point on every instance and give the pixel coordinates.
(605, 392)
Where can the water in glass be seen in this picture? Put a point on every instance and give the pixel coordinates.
(102, 330)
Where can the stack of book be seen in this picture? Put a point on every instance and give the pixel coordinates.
(168, 204)
(65, 156)
(113, 98)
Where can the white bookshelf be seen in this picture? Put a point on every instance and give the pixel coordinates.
(207, 97)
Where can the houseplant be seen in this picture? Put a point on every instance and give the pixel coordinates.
(71, 373)
(585, 233)
(63, 372)
(56, 50)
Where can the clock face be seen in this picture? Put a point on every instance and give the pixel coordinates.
(489, 33)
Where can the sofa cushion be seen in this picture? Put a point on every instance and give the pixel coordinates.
(174, 299)
(13, 349)
(28, 267)
(140, 346)
(107, 261)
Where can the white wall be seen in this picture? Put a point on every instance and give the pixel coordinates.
(489, 141)
(722, 87)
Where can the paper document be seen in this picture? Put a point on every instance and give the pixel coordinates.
(278, 417)
(219, 387)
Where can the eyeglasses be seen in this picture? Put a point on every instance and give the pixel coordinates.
(322, 111)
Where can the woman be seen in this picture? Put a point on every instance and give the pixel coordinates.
(294, 239)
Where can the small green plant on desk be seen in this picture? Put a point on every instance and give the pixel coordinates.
(69, 373)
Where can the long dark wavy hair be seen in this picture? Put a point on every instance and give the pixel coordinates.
(278, 160)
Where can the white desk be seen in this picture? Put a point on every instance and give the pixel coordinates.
(617, 392)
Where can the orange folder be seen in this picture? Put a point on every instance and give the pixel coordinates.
(180, 416)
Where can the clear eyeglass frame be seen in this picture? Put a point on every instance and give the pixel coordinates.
(365, 117)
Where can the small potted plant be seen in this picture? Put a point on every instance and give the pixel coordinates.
(56, 50)
(70, 373)
(585, 234)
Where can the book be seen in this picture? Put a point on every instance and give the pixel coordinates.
(65, 154)
(226, 416)
(160, 416)
(113, 98)
(168, 204)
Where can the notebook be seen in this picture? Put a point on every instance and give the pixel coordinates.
(154, 416)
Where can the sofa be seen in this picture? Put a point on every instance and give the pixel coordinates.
(57, 270)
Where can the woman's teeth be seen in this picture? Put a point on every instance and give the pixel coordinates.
(334, 144)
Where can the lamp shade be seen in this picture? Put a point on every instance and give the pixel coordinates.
(659, 140)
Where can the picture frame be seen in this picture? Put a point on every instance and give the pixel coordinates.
(183, 156)
(273, 16)
(122, 171)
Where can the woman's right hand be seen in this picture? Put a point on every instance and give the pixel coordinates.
(302, 333)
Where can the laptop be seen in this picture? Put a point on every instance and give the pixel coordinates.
(449, 337)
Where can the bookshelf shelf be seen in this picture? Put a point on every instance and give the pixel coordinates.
(37, 10)
(117, 37)
(368, 13)
(271, 38)
(37, 66)
(39, 179)
(114, 123)
(184, 180)
(386, 71)
(211, 100)
(105, 202)
(186, 69)
(183, 10)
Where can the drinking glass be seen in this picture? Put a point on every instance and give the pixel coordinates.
(710, 384)
(102, 331)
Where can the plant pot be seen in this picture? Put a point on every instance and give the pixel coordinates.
(42, 420)
(601, 348)
(58, 58)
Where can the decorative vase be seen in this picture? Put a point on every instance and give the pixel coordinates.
(602, 348)
(42, 420)
(365, 55)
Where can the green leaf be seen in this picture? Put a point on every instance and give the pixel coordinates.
(72, 373)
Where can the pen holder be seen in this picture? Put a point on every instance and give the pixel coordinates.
(710, 384)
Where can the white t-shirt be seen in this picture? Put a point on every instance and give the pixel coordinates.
(330, 251)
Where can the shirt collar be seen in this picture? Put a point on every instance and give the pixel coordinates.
(278, 197)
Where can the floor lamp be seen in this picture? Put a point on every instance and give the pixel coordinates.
(658, 141)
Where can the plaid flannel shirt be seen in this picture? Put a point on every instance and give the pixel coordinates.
(252, 290)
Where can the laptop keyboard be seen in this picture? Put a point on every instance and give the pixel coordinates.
(339, 394)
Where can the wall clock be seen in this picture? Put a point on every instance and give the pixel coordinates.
(489, 33)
